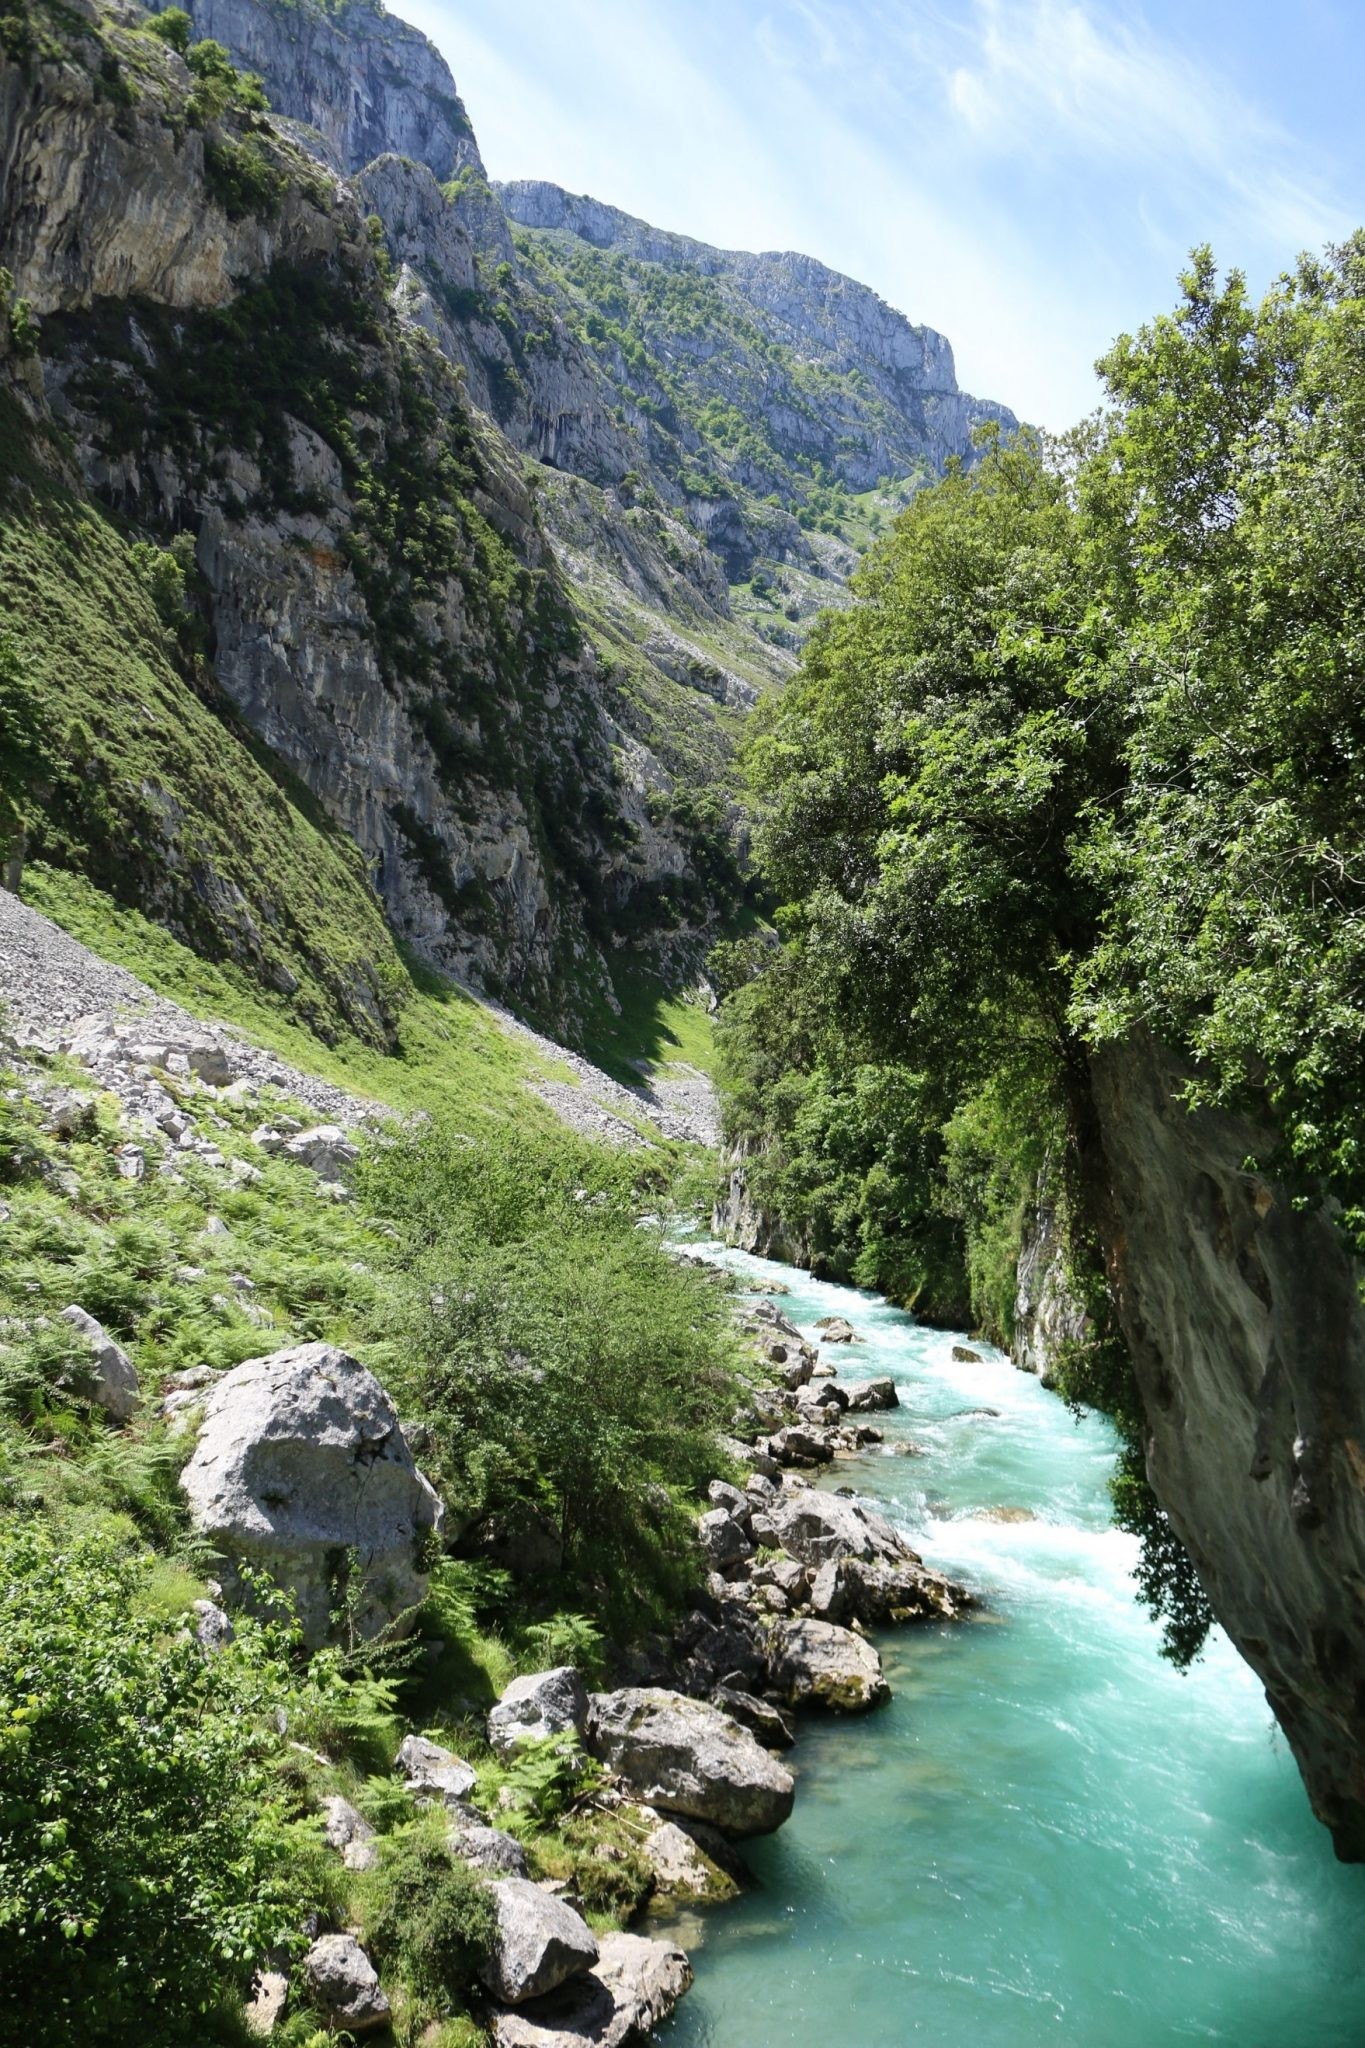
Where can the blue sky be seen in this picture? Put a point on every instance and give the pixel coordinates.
(1025, 175)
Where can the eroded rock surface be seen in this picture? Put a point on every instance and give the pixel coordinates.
(686, 1757)
(301, 1469)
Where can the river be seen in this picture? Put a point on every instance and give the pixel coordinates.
(1050, 1835)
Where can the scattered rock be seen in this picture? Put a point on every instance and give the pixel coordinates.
(349, 1833)
(724, 1542)
(213, 1627)
(686, 1757)
(431, 1772)
(874, 1396)
(681, 1868)
(540, 1942)
(543, 1704)
(760, 1717)
(344, 1985)
(325, 1149)
(633, 1989)
(813, 1662)
(116, 1381)
(265, 2007)
(796, 1445)
(300, 1463)
(837, 1330)
(721, 1494)
(489, 1849)
(1002, 1515)
(964, 1355)
(815, 1526)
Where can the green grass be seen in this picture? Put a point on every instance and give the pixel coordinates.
(125, 766)
(656, 1026)
(448, 1051)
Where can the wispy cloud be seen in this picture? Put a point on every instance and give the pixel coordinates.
(1024, 174)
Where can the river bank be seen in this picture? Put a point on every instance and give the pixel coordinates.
(1048, 1828)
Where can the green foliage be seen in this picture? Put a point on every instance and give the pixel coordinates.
(173, 26)
(142, 1860)
(563, 1362)
(1084, 759)
(430, 1920)
(546, 1778)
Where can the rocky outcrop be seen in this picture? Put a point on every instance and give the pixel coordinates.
(1047, 1316)
(633, 1988)
(686, 1757)
(1242, 1311)
(739, 1220)
(357, 80)
(301, 1471)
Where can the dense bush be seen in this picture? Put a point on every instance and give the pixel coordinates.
(143, 1862)
(430, 1922)
(559, 1357)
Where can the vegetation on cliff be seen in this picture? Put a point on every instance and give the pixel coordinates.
(1084, 759)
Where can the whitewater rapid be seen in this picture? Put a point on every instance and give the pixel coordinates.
(1050, 1835)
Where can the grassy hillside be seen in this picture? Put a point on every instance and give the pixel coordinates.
(121, 762)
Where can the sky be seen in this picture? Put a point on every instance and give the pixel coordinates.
(1027, 176)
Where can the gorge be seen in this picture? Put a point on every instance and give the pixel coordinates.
(515, 666)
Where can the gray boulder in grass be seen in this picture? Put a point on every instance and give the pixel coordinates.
(683, 1756)
(540, 1942)
(634, 1987)
(433, 1773)
(533, 1708)
(301, 1470)
(345, 1986)
(116, 1381)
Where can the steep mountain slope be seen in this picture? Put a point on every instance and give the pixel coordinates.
(645, 367)
(218, 363)
(492, 576)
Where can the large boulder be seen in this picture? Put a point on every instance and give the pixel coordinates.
(344, 1985)
(489, 1849)
(632, 1990)
(723, 1541)
(432, 1773)
(814, 1663)
(816, 1527)
(301, 1470)
(837, 1330)
(686, 1757)
(325, 1149)
(682, 1868)
(116, 1381)
(540, 1942)
(544, 1703)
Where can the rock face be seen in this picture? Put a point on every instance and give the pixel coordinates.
(1244, 1319)
(1046, 1314)
(686, 1757)
(540, 1942)
(301, 1470)
(545, 1703)
(116, 1381)
(359, 79)
(830, 319)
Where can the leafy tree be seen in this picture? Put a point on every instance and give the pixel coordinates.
(142, 1858)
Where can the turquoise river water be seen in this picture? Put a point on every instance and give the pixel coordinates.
(1049, 1835)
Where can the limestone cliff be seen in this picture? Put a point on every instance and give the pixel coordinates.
(219, 360)
(1242, 1310)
